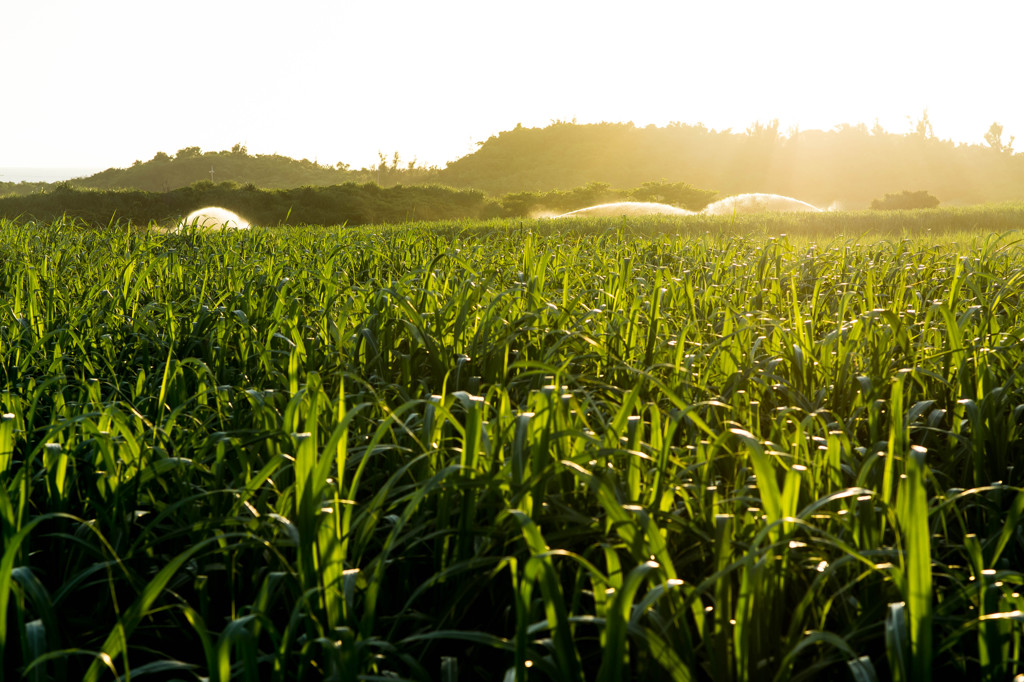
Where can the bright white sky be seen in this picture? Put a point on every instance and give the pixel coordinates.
(101, 83)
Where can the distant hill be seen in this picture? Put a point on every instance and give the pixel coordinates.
(164, 173)
(348, 203)
(565, 155)
(851, 165)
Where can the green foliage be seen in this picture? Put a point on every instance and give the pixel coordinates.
(675, 193)
(849, 164)
(331, 205)
(994, 139)
(648, 449)
(188, 153)
(556, 201)
(334, 205)
(562, 201)
(189, 165)
(905, 200)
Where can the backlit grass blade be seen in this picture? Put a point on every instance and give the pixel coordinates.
(116, 641)
(237, 637)
(813, 639)
(6, 441)
(897, 643)
(615, 659)
(42, 633)
(862, 669)
(541, 569)
(767, 484)
(10, 555)
(916, 529)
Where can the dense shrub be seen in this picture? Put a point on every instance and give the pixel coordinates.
(562, 201)
(905, 200)
(348, 203)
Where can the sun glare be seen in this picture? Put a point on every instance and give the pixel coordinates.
(341, 83)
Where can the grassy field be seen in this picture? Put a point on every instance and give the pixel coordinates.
(766, 448)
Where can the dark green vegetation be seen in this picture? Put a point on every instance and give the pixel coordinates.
(905, 200)
(349, 204)
(335, 205)
(556, 201)
(849, 165)
(661, 449)
(166, 172)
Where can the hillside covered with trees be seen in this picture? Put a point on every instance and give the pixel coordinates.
(348, 203)
(166, 172)
(850, 165)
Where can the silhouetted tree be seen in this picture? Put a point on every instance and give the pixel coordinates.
(994, 139)
(905, 200)
(676, 193)
(852, 164)
(923, 127)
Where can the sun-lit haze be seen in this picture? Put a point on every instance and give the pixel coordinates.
(104, 83)
(735, 205)
(214, 217)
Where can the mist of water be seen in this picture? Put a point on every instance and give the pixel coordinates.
(626, 208)
(215, 218)
(758, 203)
(734, 205)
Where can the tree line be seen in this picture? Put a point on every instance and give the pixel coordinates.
(348, 203)
(189, 165)
(848, 165)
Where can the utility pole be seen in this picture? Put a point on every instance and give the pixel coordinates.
(211, 173)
